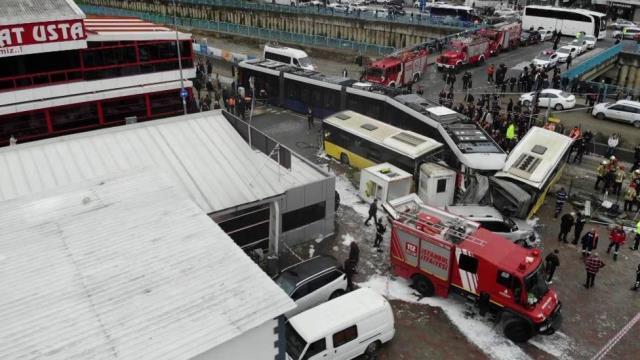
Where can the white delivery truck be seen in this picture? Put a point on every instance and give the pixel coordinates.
(287, 55)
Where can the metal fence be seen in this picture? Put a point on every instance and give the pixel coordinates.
(591, 63)
(248, 31)
(369, 15)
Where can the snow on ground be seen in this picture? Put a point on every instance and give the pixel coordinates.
(559, 345)
(347, 239)
(478, 331)
(349, 196)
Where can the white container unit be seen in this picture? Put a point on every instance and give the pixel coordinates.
(437, 185)
(384, 182)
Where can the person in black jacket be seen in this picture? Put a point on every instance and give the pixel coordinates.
(380, 230)
(636, 286)
(577, 230)
(552, 262)
(373, 211)
(566, 223)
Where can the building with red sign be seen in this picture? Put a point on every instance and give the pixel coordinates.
(63, 72)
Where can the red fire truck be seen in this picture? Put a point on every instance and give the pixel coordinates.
(470, 50)
(398, 69)
(503, 36)
(442, 253)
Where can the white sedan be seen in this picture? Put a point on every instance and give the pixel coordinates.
(591, 41)
(338, 7)
(553, 98)
(580, 45)
(563, 53)
(545, 34)
(547, 59)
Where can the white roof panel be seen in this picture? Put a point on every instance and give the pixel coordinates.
(202, 151)
(123, 267)
(30, 11)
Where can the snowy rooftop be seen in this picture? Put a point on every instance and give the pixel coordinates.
(202, 151)
(123, 267)
(30, 11)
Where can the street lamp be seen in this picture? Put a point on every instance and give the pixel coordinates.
(183, 92)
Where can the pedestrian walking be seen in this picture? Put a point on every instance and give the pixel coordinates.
(569, 59)
(354, 255)
(577, 229)
(636, 285)
(552, 262)
(561, 198)
(380, 230)
(616, 239)
(349, 271)
(566, 223)
(373, 211)
(612, 144)
(593, 264)
(589, 242)
(636, 240)
(345, 73)
(309, 118)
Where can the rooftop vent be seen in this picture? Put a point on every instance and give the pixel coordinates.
(368, 126)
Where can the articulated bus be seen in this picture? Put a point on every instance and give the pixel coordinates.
(468, 147)
(569, 21)
(360, 141)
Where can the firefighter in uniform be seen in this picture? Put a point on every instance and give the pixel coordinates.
(636, 286)
(616, 239)
(630, 197)
(600, 172)
(620, 175)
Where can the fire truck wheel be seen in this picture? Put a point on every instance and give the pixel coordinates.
(372, 349)
(518, 330)
(423, 285)
(344, 159)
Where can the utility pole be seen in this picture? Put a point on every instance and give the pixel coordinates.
(183, 92)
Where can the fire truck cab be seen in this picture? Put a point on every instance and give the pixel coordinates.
(442, 253)
(464, 51)
(399, 69)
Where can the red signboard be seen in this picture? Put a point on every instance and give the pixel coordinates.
(41, 33)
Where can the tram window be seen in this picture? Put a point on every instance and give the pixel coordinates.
(76, 116)
(22, 125)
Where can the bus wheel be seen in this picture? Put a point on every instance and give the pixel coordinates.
(423, 285)
(344, 159)
(518, 330)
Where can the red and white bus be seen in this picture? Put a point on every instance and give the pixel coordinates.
(79, 73)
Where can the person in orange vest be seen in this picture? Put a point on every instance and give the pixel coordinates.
(490, 70)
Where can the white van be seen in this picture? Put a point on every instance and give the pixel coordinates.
(288, 55)
(341, 329)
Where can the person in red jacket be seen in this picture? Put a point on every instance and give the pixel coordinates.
(616, 238)
(490, 70)
(592, 264)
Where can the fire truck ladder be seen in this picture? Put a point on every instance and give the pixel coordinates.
(452, 228)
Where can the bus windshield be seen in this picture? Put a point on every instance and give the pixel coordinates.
(295, 342)
(536, 285)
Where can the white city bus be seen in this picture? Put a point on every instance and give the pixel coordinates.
(569, 21)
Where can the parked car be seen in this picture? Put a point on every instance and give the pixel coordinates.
(628, 33)
(358, 7)
(554, 98)
(312, 282)
(529, 37)
(338, 7)
(625, 111)
(580, 45)
(491, 219)
(545, 34)
(507, 13)
(564, 51)
(342, 329)
(621, 24)
(591, 41)
(547, 59)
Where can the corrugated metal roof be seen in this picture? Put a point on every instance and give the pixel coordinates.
(123, 267)
(30, 11)
(203, 151)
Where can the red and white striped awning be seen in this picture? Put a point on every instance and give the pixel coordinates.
(127, 29)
